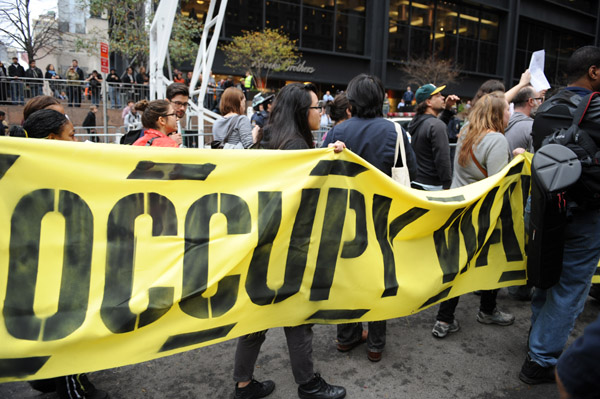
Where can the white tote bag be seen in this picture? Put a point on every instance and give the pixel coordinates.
(401, 174)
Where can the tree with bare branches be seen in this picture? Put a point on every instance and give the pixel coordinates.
(429, 70)
(37, 38)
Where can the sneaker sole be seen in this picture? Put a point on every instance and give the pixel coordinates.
(484, 321)
(531, 381)
(438, 335)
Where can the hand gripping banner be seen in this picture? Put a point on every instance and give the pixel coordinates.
(112, 255)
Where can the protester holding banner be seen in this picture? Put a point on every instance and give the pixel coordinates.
(53, 125)
(374, 139)
(482, 151)
(295, 114)
(160, 123)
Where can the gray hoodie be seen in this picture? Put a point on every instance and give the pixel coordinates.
(242, 130)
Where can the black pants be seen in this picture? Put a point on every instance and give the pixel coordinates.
(486, 305)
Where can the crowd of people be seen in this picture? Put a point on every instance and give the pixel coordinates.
(489, 138)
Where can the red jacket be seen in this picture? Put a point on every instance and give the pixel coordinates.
(159, 139)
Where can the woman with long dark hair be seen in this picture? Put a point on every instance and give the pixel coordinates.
(482, 151)
(294, 114)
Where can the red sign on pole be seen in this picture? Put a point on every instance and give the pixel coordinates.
(104, 57)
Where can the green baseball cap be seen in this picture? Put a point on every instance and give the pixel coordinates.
(427, 91)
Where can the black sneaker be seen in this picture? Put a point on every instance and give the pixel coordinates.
(317, 388)
(595, 291)
(254, 390)
(45, 386)
(78, 386)
(532, 373)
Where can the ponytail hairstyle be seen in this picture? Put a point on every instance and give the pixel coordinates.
(338, 108)
(152, 110)
(487, 115)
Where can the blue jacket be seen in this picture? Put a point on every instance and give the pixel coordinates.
(374, 140)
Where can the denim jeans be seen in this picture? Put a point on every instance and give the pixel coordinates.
(555, 309)
(114, 97)
(350, 333)
(299, 342)
(16, 93)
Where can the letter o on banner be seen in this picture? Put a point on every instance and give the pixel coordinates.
(20, 319)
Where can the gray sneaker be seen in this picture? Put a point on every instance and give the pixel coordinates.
(497, 317)
(441, 329)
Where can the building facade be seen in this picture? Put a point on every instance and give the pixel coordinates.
(484, 39)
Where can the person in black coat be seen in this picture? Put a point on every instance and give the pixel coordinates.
(3, 84)
(77, 89)
(35, 85)
(114, 88)
(17, 72)
(90, 122)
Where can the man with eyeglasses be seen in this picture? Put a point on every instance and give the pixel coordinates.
(518, 131)
(178, 94)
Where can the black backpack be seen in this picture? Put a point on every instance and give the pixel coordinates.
(453, 129)
(131, 136)
(586, 191)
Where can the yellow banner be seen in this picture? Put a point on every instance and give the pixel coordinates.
(113, 255)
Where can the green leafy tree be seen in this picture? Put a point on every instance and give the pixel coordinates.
(129, 28)
(261, 52)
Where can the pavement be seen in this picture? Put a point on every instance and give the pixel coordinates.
(477, 362)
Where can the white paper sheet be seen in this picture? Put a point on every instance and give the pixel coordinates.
(536, 68)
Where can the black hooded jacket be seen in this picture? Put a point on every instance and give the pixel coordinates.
(429, 140)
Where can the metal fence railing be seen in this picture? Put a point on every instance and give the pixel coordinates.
(112, 134)
(17, 91)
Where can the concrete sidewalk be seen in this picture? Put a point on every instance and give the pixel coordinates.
(479, 361)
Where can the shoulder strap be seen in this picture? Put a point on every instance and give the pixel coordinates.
(481, 168)
(582, 108)
(234, 121)
(149, 142)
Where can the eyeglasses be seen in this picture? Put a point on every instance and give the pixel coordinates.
(180, 104)
(167, 115)
(319, 105)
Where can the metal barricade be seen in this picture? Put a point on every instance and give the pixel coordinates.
(98, 134)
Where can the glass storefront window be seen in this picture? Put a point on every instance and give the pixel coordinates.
(322, 4)
(421, 14)
(469, 23)
(559, 46)
(350, 33)
(317, 29)
(283, 16)
(444, 34)
(399, 10)
(488, 57)
(489, 27)
(420, 43)
(467, 54)
(351, 6)
(588, 6)
(397, 42)
(242, 15)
